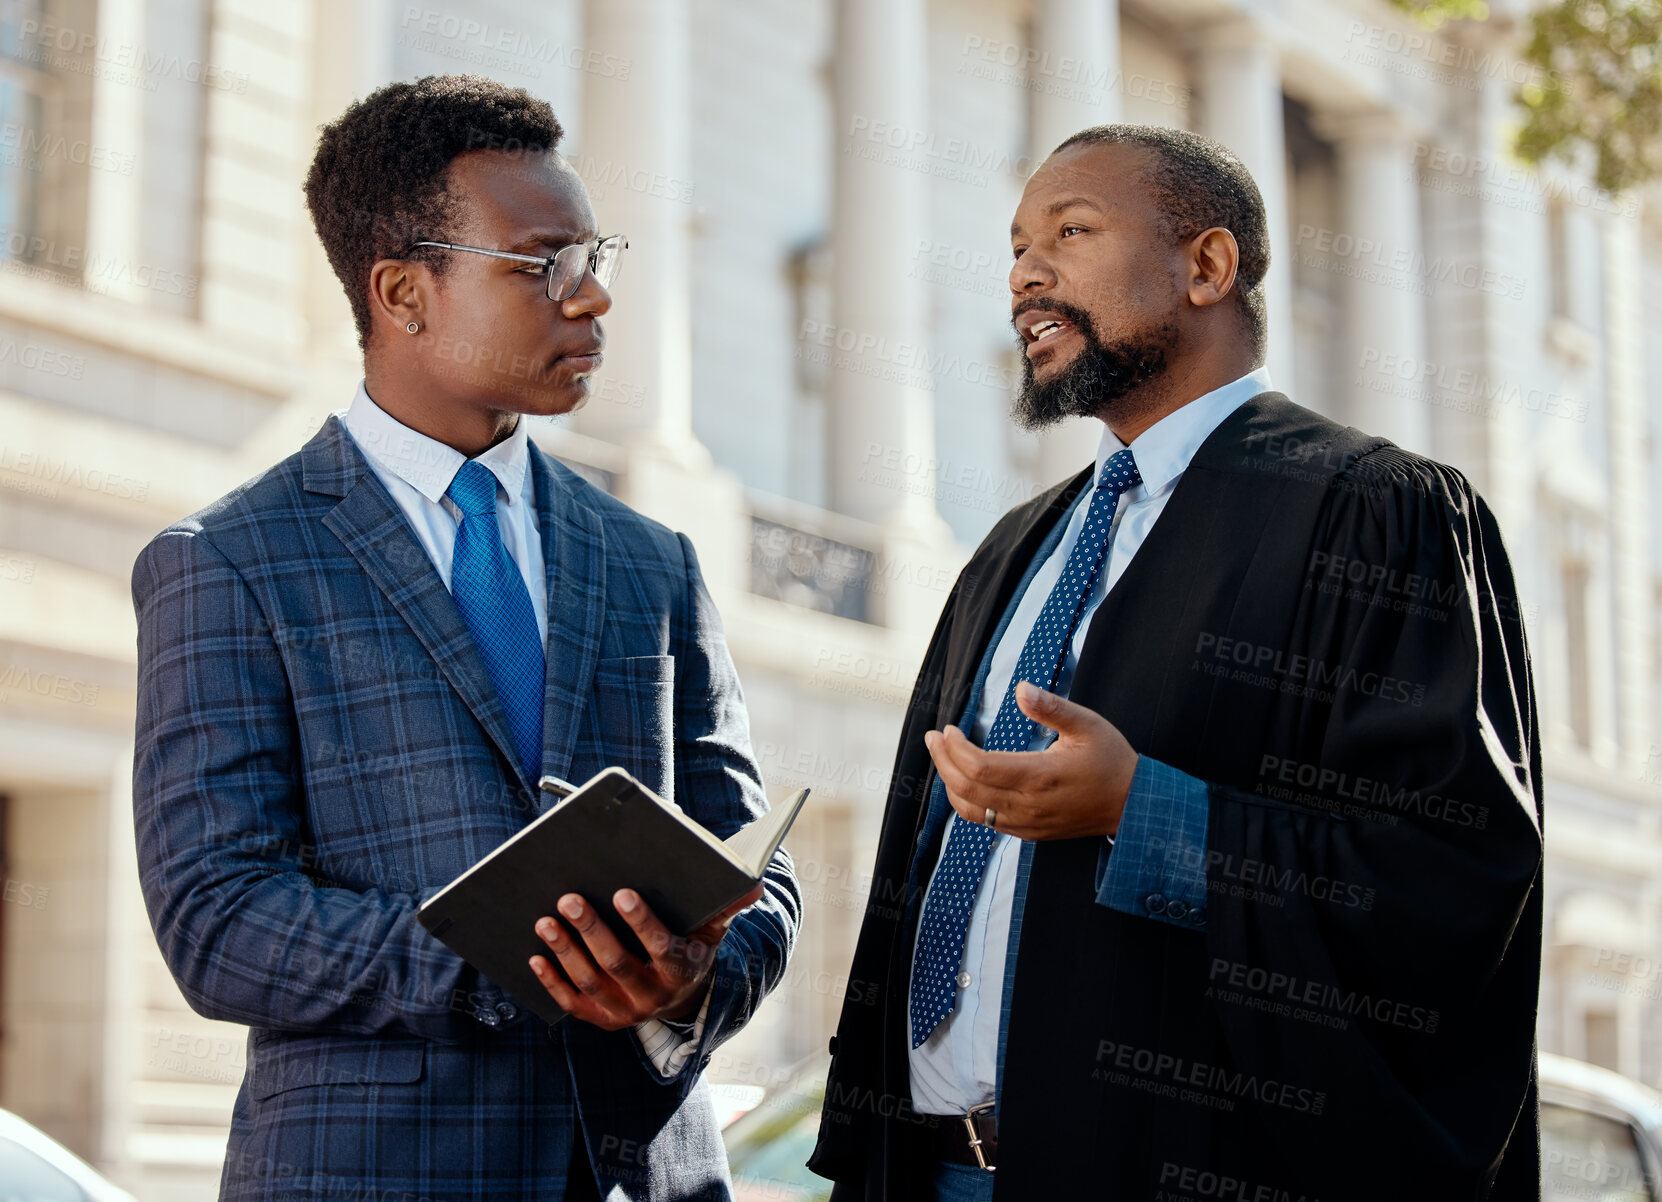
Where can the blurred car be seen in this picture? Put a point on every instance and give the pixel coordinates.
(1601, 1137)
(768, 1146)
(34, 1167)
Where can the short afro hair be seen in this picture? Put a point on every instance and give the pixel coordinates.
(377, 182)
(1200, 183)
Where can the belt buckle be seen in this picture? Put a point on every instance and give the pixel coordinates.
(975, 1136)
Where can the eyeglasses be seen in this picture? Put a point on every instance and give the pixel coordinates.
(566, 267)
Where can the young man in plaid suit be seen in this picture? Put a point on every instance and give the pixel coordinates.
(353, 669)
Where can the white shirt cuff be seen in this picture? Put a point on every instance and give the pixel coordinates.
(668, 1050)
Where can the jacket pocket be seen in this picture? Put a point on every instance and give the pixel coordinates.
(345, 1064)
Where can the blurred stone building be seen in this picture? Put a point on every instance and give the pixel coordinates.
(809, 371)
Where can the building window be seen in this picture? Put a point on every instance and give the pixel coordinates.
(1602, 1031)
(810, 570)
(1558, 258)
(1577, 651)
(1653, 756)
(49, 61)
(26, 88)
(174, 137)
(5, 915)
(808, 269)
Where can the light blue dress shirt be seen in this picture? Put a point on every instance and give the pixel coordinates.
(1158, 868)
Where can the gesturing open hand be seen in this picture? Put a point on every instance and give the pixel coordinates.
(1073, 788)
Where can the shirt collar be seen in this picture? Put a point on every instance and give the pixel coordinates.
(1164, 450)
(426, 464)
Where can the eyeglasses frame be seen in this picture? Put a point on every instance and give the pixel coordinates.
(547, 261)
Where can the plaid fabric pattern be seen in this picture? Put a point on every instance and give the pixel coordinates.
(1157, 865)
(320, 747)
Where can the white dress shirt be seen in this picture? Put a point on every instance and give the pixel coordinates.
(417, 470)
(956, 1066)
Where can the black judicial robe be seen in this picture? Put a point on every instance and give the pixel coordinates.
(1324, 628)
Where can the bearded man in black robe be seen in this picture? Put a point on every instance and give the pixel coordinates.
(1211, 861)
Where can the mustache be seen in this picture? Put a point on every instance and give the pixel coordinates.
(1079, 317)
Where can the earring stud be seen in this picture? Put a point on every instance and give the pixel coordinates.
(413, 328)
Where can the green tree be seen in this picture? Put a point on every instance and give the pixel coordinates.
(1435, 13)
(1594, 97)
(1597, 90)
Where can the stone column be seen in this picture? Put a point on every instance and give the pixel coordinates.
(880, 408)
(1088, 33)
(1631, 490)
(351, 56)
(1239, 77)
(114, 199)
(257, 145)
(1383, 321)
(1475, 336)
(1085, 33)
(128, 938)
(634, 149)
(348, 52)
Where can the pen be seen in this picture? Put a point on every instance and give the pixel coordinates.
(559, 788)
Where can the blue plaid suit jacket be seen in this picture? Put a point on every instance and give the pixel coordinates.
(319, 749)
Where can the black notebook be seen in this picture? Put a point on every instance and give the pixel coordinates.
(611, 833)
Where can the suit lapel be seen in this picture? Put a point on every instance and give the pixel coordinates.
(574, 561)
(370, 525)
(1134, 634)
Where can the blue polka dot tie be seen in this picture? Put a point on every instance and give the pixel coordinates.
(491, 594)
(946, 910)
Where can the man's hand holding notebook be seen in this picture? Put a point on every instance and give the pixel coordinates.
(647, 894)
(601, 982)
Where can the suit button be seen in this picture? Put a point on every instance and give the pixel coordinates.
(1178, 910)
(507, 1011)
(486, 1016)
(832, 1046)
(1198, 916)
(1156, 903)
(553, 1033)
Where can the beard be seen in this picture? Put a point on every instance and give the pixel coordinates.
(1105, 380)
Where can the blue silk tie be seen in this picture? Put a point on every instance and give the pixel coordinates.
(946, 911)
(490, 592)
